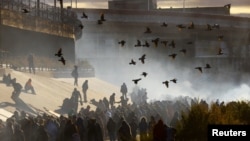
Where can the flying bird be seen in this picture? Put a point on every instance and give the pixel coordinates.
(146, 44)
(59, 52)
(155, 41)
(102, 17)
(184, 51)
(173, 55)
(191, 26)
(180, 26)
(172, 44)
(132, 62)
(166, 83)
(62, 60)
(138, 43)
(142, 58)
(164, 43)
(84, 15)
(148, 30)
(122, 42)
(220, 37)
(81, 26)
(220, 52)
(136, 80)
(24, 10)
(199, 68)
(217, 26)
(99, 22)
(207, 66)
(144, 74)
(209, 27)
(174, 80)
(164, 24)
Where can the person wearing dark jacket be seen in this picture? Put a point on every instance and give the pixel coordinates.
(75, 99)
(124, 132)
(159, 131)
(17, 89)
(85, 87)
(111, 126)
(94, 131)
(143, 129)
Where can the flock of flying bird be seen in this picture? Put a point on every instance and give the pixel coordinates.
(172, 44)
(156, 42)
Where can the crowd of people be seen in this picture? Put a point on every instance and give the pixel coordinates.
(128, 123)
(112, 120)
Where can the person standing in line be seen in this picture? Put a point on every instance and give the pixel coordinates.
(31, 64)
(84, 90)
(75, 75)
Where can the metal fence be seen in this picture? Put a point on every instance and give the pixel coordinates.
(41, 17)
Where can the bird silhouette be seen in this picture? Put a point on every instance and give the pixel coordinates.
(199, 68)
(132, 62)
(122, 42)
(59, 52)
(209, 27)
(220, 52)
(180, 26)
(81, 26)
(220, 37)
(164, 24)
(164, 43)
(142, 58)
(191, 26)
(189, 42)
(173, 55)
(146, 44)
(99, 22)
(148, 30)
(62, 60)
(136, 80)
(207, 66)
(166, 83)
(24, 10)
(144, 74)
(172, 44)
(138, 43)
(184, 51)
(173, 80)
(217, 26)
(84, 15)
(155, 41)
(102, 17)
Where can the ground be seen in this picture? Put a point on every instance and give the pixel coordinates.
(50, 92)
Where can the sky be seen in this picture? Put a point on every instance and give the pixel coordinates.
(237, 6)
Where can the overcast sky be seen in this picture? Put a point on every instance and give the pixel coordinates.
(237, 6)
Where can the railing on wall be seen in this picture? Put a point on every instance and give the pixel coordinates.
(41, 18)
